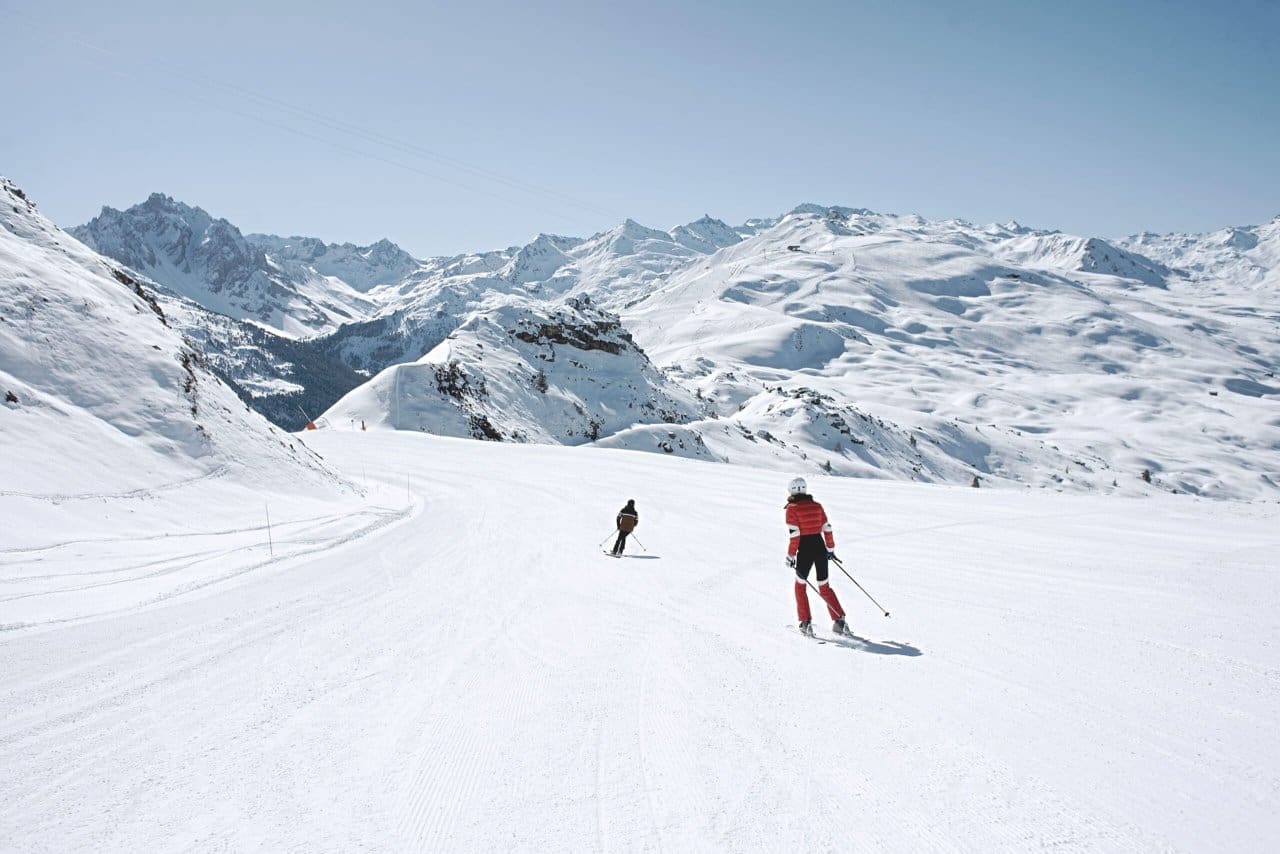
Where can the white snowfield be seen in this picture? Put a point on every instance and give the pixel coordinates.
(451, 664)
(871, 345)
(827, 340)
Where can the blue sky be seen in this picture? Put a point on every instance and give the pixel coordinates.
(465, 126)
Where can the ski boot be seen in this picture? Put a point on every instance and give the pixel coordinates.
(806, 628)
(841, 628)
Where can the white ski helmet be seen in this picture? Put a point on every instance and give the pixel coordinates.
(797, 487)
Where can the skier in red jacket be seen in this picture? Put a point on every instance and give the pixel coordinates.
(812, 544)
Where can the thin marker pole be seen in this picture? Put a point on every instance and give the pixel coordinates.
(270, 542)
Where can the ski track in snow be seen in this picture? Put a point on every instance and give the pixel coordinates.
(297, 538)
(471, 674)
(140, 492)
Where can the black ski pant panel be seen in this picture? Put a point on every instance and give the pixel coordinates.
(620, 543)
(812, 554)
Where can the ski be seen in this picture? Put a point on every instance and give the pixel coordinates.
(813, 638)
(847, 640)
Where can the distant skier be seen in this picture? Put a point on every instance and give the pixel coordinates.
(626, 520)
(812, 544)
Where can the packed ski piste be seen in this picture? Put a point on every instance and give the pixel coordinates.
(811, 547)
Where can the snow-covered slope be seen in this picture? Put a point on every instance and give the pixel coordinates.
(1066, 252)
(613, 267)
(1071, 673)
(209, 261)
(1246, 256)
(102, 395)
(993, 354)
(705, 235)
(518, 370)
(360, 267)
(289, 381)
(1024, 371)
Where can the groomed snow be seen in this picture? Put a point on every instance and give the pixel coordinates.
(451, 664)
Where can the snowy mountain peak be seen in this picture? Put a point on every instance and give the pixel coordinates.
(1243, 239)
(164, 202)
(537, 261)
(104, 394)
(829, 211)
(385, 248)
(1244, 255)
(948, 350)
(209, 261)
(705, 235)
(162, 232)
(1100, 256)
(520, 370)
(623, 239)
(361, 267)
(1054, 250)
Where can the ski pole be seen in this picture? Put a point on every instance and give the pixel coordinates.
(837, 562)
(606, 539)
(637, 542)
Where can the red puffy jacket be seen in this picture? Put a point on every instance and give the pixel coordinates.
(805, 517)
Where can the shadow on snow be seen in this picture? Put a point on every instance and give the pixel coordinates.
(876, 647)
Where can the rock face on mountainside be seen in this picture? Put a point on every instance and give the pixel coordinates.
(210, 262)
(520, 371)
(102, 393)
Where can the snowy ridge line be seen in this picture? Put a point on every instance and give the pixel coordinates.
(826, 339)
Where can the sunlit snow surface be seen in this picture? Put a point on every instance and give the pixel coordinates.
(215, 635)
(451, 664)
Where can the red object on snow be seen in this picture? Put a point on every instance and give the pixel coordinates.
(805, 517)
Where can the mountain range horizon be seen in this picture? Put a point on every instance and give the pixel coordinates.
(829, 339)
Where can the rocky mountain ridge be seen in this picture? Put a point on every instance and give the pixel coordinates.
(994, 353)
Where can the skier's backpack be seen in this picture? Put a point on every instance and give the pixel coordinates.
(626, 523)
